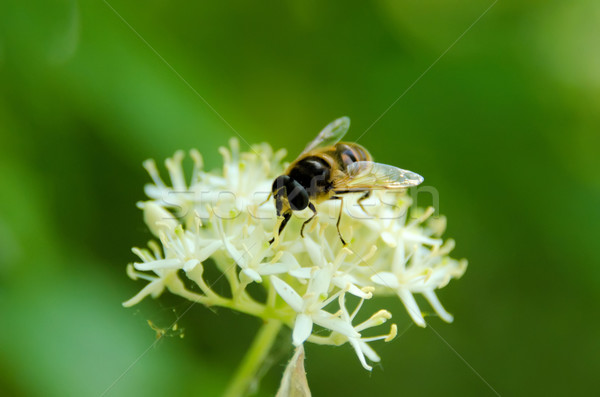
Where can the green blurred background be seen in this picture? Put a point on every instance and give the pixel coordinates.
(506, 126)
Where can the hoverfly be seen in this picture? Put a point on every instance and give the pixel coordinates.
(328, 169)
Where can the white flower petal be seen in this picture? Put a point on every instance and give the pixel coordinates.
(159, 264)
(302, 329)
(238, 257)
(420, 238)
(253, 275)
(347, 282)
(275, 268)
(320, 282)
(354, 290)
(437, 306)
(158, 219)
(399, 260)
(190, 265)
(369, 352)
(154, 288)
(389, 239)
(175, 171)
(387, 279)
(303, 272)
(361, 357)
(313, 250)
(327, 320)
(411, 306)
(205, 252)
(288, 294)
(290, 260)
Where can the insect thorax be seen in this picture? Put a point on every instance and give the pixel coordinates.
(313, 173)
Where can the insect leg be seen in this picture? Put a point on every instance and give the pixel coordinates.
(337, 224)
(286, 218)
(312, 208)
(362, 198)
(268, 198)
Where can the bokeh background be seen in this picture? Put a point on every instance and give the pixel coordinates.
(506, 126)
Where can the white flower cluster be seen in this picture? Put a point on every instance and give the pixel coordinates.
(222, 219)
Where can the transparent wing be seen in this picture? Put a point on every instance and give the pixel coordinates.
(366, 175)
(330, 135)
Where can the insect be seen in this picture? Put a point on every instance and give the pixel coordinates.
(327, 169)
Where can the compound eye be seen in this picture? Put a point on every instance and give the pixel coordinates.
(280, 182)
(297, 196)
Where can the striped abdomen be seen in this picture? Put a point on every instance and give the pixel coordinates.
(348, 153)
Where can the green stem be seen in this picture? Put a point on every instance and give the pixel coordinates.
(246, 372)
